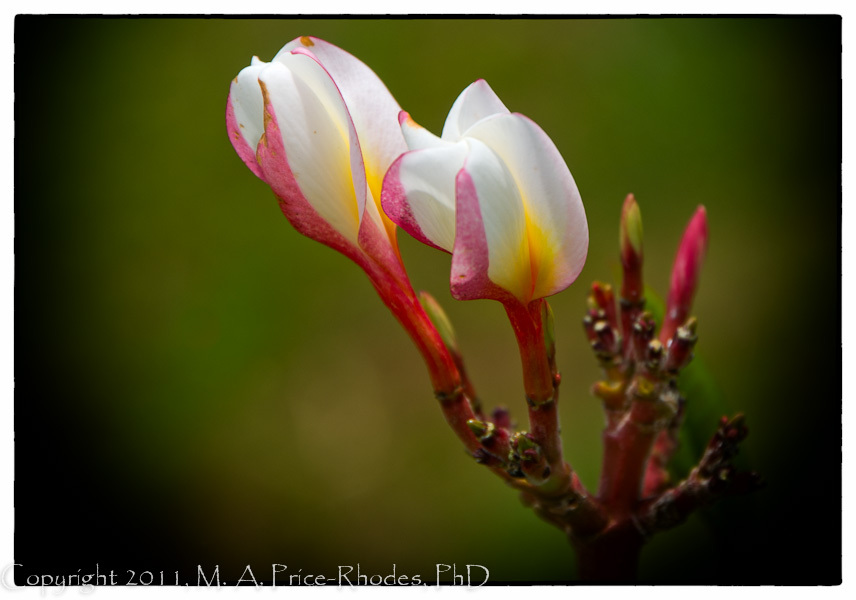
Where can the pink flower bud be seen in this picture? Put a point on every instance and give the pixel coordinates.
(685, 274)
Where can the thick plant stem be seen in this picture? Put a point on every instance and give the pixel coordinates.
(625, 457)
(611, 556)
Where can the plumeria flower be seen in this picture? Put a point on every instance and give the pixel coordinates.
(319, 127)
(493, 191)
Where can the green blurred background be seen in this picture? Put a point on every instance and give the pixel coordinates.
(196, 383)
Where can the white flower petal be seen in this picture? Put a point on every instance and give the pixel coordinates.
(315, 132)
(557, 228)
(427, 178)
(475, 103)
(503, 218)
(373, 109)
(246, 96)
(416, 136)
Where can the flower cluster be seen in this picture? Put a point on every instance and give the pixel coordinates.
(349, 167)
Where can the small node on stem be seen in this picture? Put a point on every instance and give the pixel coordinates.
(643, 388)
(654, 357)
(643, 333)
(450, 397)
(526, 453)
(494, 441)
(603, 298)
(681, 347)
(606, 334)
(612, 393)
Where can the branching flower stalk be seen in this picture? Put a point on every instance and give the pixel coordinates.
(348, 167)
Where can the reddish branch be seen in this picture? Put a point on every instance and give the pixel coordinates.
(644, 409)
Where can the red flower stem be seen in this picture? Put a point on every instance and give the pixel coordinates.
(402, 301)
(541, 386)
(529, 331)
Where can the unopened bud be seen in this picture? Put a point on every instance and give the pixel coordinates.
(630, 242)
(481, 429)
(685, 274)
(525, 446)
(630, 232)
(440, 321)
(527, 454)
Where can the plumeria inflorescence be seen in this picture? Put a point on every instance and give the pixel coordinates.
(349, 167)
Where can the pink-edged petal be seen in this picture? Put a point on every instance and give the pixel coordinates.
(277, 172)
(314, 126)
(380, 237)
(476, 102)
(244, 110)
(372, 107)
(419, 193)
(491, 238)
(557, 227)
(416, 136)
(316, 76)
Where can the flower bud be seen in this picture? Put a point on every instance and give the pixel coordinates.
(440, 321)
(481, 429)
(630, 232)
(685, 274)
(630, 241)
